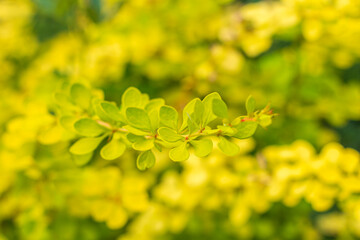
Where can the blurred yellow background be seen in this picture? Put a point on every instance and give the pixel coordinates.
(297, 179)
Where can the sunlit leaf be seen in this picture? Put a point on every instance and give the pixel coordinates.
(111, 110)
(169, 135)
(208, 115)
(112, 150)
(85, 145)
(132, 97)
(179, 153)
(81, 160)
(245, 129)
(227, 147)
(89, 127)
(250, 105)
(138, 118)
(169, 117)
(219, 108)
(202, 147)
(145, 160)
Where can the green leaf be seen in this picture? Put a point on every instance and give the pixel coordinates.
(81, 160)
(81, 95)
(140, 143)
(111, 111)
(133, 137)
(154, 119)
(144, 100)
(132, 97)
(135, 131)
(219, 108)
(227, 147)
(202, 147)
(145, 160)
(99, 111)
(158, 147)
(208, 115)
(197, 115)
(245, 129)
(169, 135)
(138, 118)
(250, 105)
(192, 125)
(179, 153)
(85, 145)
(227, 130)
(112, 150)
(265, 120)
(89, 127)
(169, 117)
(155, 103)
(188, 109)
(143, 144)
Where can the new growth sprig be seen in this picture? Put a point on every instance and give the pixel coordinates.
(148, 125)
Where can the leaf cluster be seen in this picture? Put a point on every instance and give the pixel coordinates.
(148, 125)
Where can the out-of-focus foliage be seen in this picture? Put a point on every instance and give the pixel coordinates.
(302, 56)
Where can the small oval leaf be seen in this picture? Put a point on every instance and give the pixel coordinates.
(219, 108)
(88, 127)
(202, 147)
(179, 153)
(169, 135)
(85, 145)
(112, 150)
(145, 160)
(169, 117)
(138, 118)
(227, 147)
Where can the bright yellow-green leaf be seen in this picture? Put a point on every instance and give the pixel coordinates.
(155, 103)
(245, 129)
(192, 125)
(81, 95)
(140, 143)
(179, 153)
(145, 160)
(154, 118)
(81, 160)
(132, 97)
(143, 144)
(265, 120)
(226, 130)
(250, 105)
(199, 109)
(169, 117)
(227, 147)
(111, 110)
(85, 145)
(89, 127)
(135, 130)
(138, 118)
(99, 111)
(219, 108)
(208, 115)
(169, 135)
(188, 109)
(202, 147)
(112, 150)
